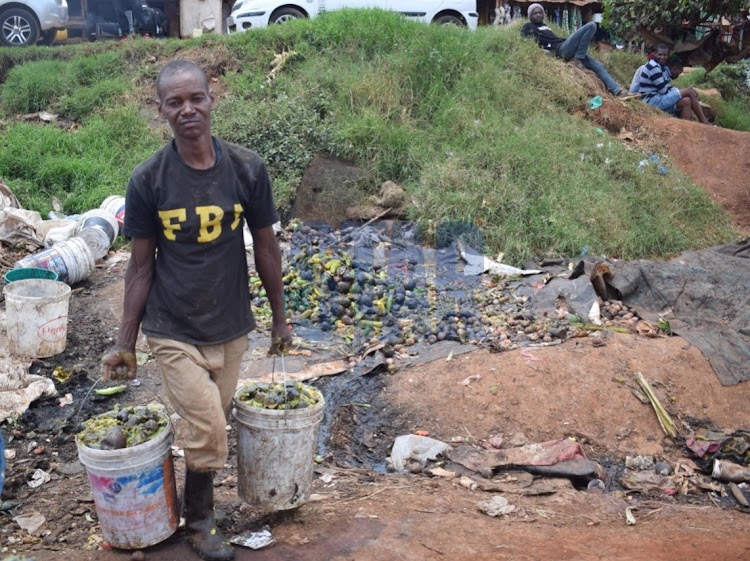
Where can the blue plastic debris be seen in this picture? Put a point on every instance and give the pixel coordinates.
(595, 102)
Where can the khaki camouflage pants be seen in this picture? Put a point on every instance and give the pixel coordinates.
(200, 381)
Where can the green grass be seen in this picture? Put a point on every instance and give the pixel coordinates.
(477, 127)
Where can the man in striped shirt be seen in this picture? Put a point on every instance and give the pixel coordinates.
(656, 89)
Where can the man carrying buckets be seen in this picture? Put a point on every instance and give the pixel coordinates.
(186, 283)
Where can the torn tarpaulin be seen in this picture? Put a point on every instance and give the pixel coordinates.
(703, 294)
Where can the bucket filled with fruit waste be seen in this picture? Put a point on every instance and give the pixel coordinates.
(276, 442)
(128, 458)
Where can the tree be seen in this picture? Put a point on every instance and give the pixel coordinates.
(697, 30)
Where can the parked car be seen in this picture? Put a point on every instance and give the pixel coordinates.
(24, 22)
(249, 14)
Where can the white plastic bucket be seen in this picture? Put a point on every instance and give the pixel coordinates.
(116, 205)
(134, 490)
(98, 228)
(71, 259)
(275, 453)
(37, 317)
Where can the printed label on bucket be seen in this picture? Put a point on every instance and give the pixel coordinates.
(54, 330)
(49, 259)
(138, 509)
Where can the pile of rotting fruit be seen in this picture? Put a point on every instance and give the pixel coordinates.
(330, 286)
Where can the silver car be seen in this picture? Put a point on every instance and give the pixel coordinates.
(24, 22)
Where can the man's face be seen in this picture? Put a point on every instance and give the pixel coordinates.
(662, 56)
(537, 15)
(186, 103)
(674, 72)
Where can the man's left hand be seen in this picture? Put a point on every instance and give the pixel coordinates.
(281, 340)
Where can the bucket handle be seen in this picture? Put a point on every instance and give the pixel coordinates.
(283, 381)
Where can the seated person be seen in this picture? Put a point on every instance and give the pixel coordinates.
(573, 49)
(655, 88)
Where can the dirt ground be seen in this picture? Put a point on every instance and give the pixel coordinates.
(578, 389)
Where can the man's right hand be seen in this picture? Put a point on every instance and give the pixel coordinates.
(119, 364)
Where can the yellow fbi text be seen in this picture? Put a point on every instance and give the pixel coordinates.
(210, 216)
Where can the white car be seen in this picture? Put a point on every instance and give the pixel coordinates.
(24, 22)
(251, 14)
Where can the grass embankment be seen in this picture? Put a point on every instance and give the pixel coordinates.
(477, 127)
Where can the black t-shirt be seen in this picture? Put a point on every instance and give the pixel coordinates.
(543, 35)
(199, 294)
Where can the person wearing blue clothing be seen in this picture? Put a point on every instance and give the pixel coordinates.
(573, 49)
(656, 89)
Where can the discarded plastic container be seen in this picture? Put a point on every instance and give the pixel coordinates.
(37, 317)
(29, 273)
(134, 490)
(116, 205)
(729, 471)
(98, 228)
(71, 259)
(275, 453)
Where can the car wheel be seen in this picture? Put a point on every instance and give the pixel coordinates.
(286, 15)
(18, 28)
(48, 37)
(450, 20)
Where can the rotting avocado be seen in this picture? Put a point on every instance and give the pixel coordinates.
(124, 427)
(280, 395)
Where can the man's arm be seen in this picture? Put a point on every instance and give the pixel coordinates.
(138, 278)
(268, 265)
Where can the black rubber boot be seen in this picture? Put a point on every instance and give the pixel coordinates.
(202, 533)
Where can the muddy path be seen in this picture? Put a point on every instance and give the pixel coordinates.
(359, 511)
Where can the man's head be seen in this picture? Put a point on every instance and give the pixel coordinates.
(185, 99)
(661, 54)
(675, 68)
(536, 13)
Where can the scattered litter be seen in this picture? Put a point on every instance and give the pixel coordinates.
(526, 353)
(255, 540)
(141, 358)
(179, 452)
(10, 454)
(663, 468)
(596, 484)
(496, 506)
(476, 264)
(67, 399)
(595, 102)
(440, 472)
(738, 494)
(725, 470)
(493, 443)
(469, 379)
(61, 375)
(39, 477)
(135, 382)
(629, 518)
(32, 521)
(413, 447)
(639, 463)
(701, 447)
(467, 483)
